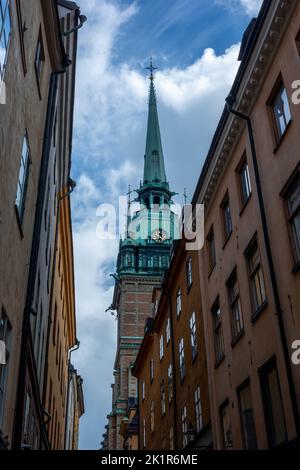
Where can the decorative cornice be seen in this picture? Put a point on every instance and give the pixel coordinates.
(260, 61)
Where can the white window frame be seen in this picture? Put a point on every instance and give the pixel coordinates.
(198, 409)
(23, 178)
(178, 302)
(161, 347)
(143, 390)
(181, 359)
(189, 273)
(184, 427)
(193, 334)
(168, 330)
(170, 383)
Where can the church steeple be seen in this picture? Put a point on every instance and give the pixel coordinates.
(154, 166)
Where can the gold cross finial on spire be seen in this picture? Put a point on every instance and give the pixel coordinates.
(151, 68)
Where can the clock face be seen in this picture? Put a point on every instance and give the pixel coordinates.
(159, 235)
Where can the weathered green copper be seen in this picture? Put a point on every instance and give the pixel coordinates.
(142, 252)
(154, 169)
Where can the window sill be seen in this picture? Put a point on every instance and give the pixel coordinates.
(227, 240)
(282, 138)
(258, 312)
(245, 205)
(296, 268)
(19, 222)
(237, 338)
(219, 361)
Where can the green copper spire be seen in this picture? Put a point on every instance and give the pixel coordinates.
(154, 169)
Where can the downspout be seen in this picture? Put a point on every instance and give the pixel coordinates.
(229, 103)
(76, 347)
(138, 411)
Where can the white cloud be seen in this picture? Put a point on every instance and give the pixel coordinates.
(181, 88)
(250, 7)
(110, 126)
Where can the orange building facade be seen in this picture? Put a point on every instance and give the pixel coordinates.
(171, 364)
(249, 267)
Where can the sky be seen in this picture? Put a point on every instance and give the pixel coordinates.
(195, 45)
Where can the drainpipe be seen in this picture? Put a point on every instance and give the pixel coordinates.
(76, 347)
(229, 102)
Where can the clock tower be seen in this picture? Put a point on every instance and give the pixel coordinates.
(143, 257)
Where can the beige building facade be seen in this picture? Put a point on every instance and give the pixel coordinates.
(249, 267)
(36, 135)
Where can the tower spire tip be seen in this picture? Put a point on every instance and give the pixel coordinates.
(151, 68)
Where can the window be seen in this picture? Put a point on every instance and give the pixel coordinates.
(54, 141)
(161, 347)
(155, 306)
(298, 42)
(23, 178)
(226, 216)
(281, 110)
(172, 438)
(189, 273)
(54, 324)
(47, 205)
(5, 337)
(5, 31)
(211, 249)
(247, 417)
(163, 397)
(226, 425)
(170, 382)
(143, 390)
(184, 427)
(193, 335)
(273, 409)
(151, 370)
(181, 359)
(168, 330)
(245, 182)
(218, 331)
(198, 410)
(258, 292)
(156, 261)
(144, 433)
(26, 422)
(235, 306)
(292, 197)
(178, 302)
(39, 57)
(152, 417)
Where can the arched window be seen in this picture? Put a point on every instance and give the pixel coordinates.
(147, 203)
(156, 200)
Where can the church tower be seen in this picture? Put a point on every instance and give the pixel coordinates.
(143, 258)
